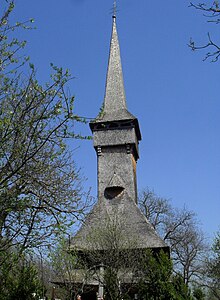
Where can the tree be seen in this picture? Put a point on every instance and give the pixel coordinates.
(179, 229)
(188, 253)
(212, 269)
(65, 269)
(198, 293)
(40, 186)
(19, 278)
(181, 289)
(211, 10)
(156, 280)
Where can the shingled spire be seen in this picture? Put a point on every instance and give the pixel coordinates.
(114, 94)
(115, 107)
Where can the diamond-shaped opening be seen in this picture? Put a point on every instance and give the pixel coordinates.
(113, 192)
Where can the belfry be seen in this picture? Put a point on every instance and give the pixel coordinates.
(116, 136)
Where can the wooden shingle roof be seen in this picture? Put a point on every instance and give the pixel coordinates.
(131, 222)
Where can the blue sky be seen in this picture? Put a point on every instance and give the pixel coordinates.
(174, 94)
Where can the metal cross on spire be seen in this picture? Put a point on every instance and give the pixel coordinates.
(114, 9)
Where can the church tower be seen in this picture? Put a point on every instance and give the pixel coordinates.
(116, 135)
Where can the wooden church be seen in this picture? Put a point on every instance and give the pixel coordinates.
(115, 222)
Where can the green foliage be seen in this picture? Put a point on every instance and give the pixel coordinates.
(40, 186)
(215, 262)
(10, 46)
(155, 271)
(65, 263)
(198, 294)
(101, 111)
(19, 278)
(213, 269)
(156, 279)
(111, 284)
(180, 289)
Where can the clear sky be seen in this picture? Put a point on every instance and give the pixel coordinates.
(174, 94)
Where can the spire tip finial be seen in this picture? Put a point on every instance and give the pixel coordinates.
(114, 9)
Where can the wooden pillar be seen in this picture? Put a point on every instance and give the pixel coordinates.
(101, 288)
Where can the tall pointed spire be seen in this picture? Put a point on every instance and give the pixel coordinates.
(115, 107)
(114, 93)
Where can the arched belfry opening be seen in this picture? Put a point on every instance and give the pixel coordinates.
(115, 188)
(113, 192)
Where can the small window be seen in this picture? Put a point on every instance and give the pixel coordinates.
(113, 192)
